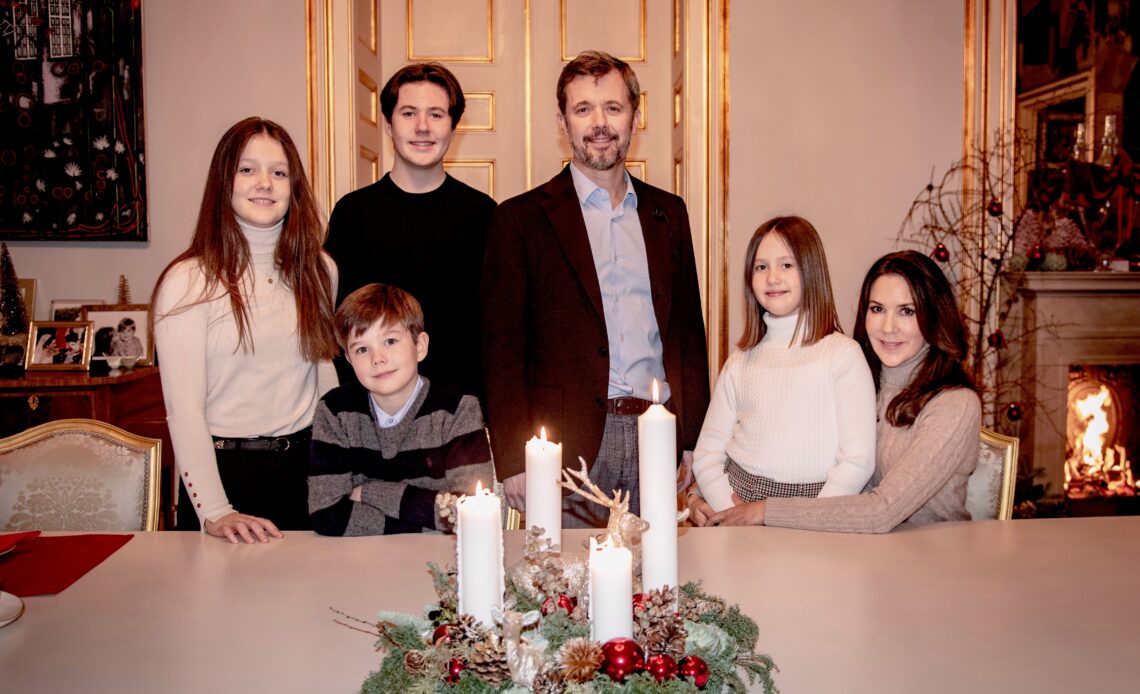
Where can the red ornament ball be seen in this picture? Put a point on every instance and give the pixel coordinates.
(638, 601)
(694, 668)
(994, 208)
(1013, 412)
(996, 340)
(565, 602)
(621, 657)
(1036, 253)
(940, 253)
(662, 667)
(441, 634)
(454, 667)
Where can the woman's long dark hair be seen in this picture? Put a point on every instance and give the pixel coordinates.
(941, 325)
(223, 252)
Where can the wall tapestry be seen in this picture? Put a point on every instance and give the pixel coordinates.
(71, 121)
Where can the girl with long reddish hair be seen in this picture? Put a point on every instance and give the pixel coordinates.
(243, 327)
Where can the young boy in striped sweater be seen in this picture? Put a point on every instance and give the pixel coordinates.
(386, 446)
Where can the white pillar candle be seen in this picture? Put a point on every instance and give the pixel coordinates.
(479, 549)
(611, 591)
(543, 493)
(657, 470)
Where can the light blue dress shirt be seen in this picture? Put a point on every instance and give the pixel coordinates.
(618, 247)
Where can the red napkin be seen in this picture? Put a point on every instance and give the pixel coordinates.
(9, 541)
(46, 565)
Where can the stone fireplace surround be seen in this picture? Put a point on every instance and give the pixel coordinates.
(1095, 318)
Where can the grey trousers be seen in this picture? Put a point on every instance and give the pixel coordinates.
(614, 468)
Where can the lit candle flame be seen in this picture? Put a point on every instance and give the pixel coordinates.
(479, 488)
(656, 393)
(542, 433)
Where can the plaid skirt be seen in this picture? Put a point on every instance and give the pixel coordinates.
(757, 487)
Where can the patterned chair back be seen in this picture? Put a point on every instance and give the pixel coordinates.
(79, 474)
(989, 493)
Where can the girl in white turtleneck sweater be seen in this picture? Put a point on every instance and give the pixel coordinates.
(242, 324)
(793, 412)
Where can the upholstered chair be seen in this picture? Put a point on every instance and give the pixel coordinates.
(989, 494)
(79, 474)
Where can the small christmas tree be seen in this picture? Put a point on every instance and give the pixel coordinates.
(124, 290)
(13, 314)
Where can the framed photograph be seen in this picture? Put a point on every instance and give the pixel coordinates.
(71, 309)
(57, 345)
(120, 331)
(28, 294)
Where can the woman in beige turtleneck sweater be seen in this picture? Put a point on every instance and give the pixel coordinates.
(929, 414)
(243, 326)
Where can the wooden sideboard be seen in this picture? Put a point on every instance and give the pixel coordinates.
(131, 401)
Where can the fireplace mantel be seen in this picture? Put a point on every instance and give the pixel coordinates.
(1068, 318)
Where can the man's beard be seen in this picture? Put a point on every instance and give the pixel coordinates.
(600, 162)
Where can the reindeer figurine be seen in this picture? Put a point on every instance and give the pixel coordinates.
(623, 528)
(524, 655)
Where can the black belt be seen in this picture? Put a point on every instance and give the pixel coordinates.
(274, 444)
(627, 406)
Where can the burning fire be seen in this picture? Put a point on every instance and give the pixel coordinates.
(1093, 470)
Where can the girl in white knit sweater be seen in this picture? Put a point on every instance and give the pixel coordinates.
(243, 325)
(793, 413)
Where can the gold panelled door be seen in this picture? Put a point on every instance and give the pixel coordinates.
(507, 55)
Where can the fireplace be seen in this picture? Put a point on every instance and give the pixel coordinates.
(1082, 331)
(1101, 431)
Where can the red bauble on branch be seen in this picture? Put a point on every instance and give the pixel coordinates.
(638, 601)
(994, 208)
(442, 634)
(455, 666)
(996, 340)
(662, 667)
(622, 658)
(1013, 412)
(940, 253)
(694, 668)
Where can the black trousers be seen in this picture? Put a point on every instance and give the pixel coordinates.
(268, 484)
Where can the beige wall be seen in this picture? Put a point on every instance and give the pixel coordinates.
(207, 64)
(839, 112)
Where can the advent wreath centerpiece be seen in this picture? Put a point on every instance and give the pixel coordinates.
(684, 640)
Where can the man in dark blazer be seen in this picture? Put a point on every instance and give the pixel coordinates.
(589, 294)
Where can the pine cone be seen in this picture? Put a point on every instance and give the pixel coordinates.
(666, 636)
(488, 660)
(580, 659)
(656, 627)
(549, 682)
(415, 662)
(692, 610)
(549, 579)
(467, 630)
(445, 511)
(656, 606)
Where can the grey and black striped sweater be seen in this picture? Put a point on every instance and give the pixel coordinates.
(439, 446)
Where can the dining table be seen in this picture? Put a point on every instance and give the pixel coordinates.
(1042, 605)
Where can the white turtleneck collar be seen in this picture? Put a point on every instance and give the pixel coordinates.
(780, 329)
(262, 241)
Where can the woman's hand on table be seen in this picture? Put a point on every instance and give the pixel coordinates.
(699, 509)
(743, 513)
(249, 529)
